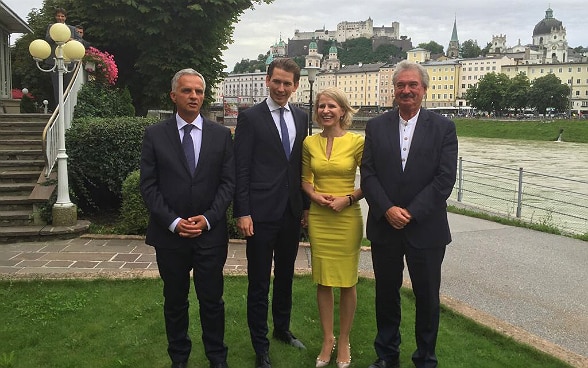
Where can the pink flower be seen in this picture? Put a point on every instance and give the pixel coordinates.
(105, 70)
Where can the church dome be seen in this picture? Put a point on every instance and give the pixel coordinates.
(547, 24)
(333, 49)
(312, 45)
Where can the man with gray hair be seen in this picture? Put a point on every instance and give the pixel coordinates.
(187, 183)
(407, 173)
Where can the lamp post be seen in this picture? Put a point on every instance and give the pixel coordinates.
(64, 211)
(312, 71)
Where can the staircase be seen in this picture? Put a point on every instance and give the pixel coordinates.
(23, 186)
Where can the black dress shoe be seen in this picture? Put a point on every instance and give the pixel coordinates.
(288, 338)
(219, 365)
(381, 363)
(179, 364)
(262, 361)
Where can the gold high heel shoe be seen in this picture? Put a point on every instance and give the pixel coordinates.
(347, 363)
(323, 363)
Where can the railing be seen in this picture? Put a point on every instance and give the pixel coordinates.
(529, 196)
(51, 133)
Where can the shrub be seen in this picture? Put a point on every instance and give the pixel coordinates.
(102, 153)
(134, 216)
(99, 100)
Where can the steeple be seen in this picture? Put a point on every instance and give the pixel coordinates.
(454, 33)
(453, 48)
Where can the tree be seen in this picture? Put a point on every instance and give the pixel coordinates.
(470, 49)
(152, 39)
(490, 93)
(518, 92)
(250, 66)
(432, 46)
(548, 91)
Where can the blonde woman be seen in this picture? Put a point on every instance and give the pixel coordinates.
(329, 165)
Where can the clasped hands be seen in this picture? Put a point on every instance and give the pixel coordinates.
(337, 204)
(191, 227)
(398, 217)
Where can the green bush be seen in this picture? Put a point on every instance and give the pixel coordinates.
(99, 100)
(102, 153)
(134, 216)
(27, 105)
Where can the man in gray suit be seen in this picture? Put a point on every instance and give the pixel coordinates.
(187, 183)
(407, 173)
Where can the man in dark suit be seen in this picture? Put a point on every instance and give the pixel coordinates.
(269, 203)
(60, 17)
(407, 173)
(187, 182)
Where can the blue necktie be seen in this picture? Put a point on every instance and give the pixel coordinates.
(188, 146)
(285, 135)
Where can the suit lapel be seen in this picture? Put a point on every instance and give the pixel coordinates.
(394, 140)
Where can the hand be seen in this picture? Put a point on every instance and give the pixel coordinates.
(398, 217)
(304, 220)
(192, 227)
(339, 203)
(322, 199)
(245, 226)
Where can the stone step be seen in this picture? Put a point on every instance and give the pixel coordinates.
(18, 176)
(22, 165)
(33, 126)
(17, 203)
(16, 218)
(13, 189)
(11, 234)
(21, 154)
(38, 118)
(19, 143)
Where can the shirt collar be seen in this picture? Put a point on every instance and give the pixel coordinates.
(273, 106)
(181, 122)
(412, 121)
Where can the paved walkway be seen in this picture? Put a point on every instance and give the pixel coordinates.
(529, 285)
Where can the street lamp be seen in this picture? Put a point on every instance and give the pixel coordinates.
(64, 211)
(312, 71)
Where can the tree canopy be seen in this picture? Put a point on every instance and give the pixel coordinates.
(497, 93)
(432, 46)
(359, 50)
(153, 39)
(470, 49)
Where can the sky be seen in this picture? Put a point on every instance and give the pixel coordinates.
(421, 21)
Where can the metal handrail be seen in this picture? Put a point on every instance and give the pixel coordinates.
(50, 133)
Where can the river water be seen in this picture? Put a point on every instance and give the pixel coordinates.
(555, 180)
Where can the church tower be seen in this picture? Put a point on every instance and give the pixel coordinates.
(453, 48)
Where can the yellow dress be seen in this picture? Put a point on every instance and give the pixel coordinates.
(335, 237)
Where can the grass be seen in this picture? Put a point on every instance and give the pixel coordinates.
(547, 130)
(119, 323)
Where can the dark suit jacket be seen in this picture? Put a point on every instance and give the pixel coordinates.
(170, 191)
(265, 178)
(422, 188)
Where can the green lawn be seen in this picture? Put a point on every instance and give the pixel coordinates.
(546, 130)
(119, 323)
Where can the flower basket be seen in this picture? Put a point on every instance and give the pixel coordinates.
(101, 66)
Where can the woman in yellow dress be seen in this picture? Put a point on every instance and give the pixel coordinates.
(329, 165)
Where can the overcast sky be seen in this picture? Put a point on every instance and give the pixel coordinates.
(421, 21)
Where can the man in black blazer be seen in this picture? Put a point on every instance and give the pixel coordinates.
(187, 194)
(407, 173)
(268, 202)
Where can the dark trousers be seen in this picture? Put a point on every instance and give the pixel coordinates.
(55, 81)
(207, 265)
(277, 240)
(424, 266)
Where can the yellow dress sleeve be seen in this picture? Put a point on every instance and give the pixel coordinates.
(307, 175)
